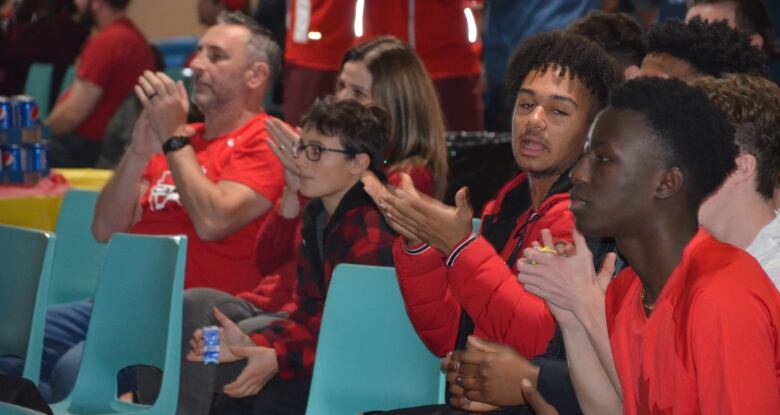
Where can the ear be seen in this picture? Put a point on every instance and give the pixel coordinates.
(746, 168)
(257, 74)
(671, 181)
(360, 163)
(631, 72)
(757, 40)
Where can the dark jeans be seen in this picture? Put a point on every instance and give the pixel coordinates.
(72, 150)
(278, 397)
(63, 344)
(198, 381)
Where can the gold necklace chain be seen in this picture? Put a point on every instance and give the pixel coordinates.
(648, 307)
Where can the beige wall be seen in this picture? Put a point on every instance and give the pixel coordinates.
(160, 19)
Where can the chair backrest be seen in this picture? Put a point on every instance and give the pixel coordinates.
(67, 79)
(368, 355)
(136, 320)
(78, 256)
(38, 86)
(25, 269)
(175, 51)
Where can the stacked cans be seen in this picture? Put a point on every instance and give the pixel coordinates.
(24, 158)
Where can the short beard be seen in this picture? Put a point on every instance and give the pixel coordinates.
(87, 19)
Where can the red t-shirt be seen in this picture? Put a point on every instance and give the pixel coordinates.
(319, 33)
(241, 156)
(711, 342)
(112, 59)
(439, 35)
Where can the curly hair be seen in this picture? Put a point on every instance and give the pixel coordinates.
(690, 129)
(360, 129)
(711, 48)
(751, 16)
(752, 105)
(574, 55)
(619, 34)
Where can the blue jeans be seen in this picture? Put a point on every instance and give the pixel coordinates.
(63, 343)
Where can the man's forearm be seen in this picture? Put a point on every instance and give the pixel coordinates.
(64, 119)
(595, 392)
(594, 321)
(208, 207)
(117, 203)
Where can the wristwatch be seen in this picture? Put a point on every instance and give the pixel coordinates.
(175, 143)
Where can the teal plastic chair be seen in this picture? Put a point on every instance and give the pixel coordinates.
(77, 256)
(25, 270)
(67, 79)
(136, 320)
(368, 355)
(11, 409)
(38, 86)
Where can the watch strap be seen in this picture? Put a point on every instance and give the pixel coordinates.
(175, 143)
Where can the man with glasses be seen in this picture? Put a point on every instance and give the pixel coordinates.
(340, 142)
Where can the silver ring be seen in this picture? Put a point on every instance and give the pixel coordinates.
(149, 97)
(281, 146)
(459, 381)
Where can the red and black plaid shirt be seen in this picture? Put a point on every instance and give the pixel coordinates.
(355, 234)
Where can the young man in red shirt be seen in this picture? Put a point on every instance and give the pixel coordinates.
(108, 67)
(692, 325)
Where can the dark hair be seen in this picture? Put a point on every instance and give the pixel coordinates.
(751, 16)
(690, 129)
(619, 34)
(574, 55)
(360, 129)
(261, 42)
(752, 105)
(118, 4)
(711, 48)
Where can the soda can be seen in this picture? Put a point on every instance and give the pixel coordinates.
(36, 158)
(6, 114)
(12, 159)
(25, 111)
(210, 344)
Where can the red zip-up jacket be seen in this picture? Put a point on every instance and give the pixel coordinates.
(479, 280)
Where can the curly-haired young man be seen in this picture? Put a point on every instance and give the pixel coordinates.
(618, 33)
(742, 211)
(692, 325)
(451, 278)
(750, 17)
(679, 50)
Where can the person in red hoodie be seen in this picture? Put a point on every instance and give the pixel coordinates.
(450, 277)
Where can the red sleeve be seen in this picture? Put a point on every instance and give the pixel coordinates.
(489, 291)
(276, 242)
(253, 164)
(421, 177)
(95, 63)
(735, 346)
(433, 310)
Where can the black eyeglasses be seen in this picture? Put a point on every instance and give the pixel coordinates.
(314, 151)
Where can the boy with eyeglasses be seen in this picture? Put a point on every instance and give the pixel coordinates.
(270, 353)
